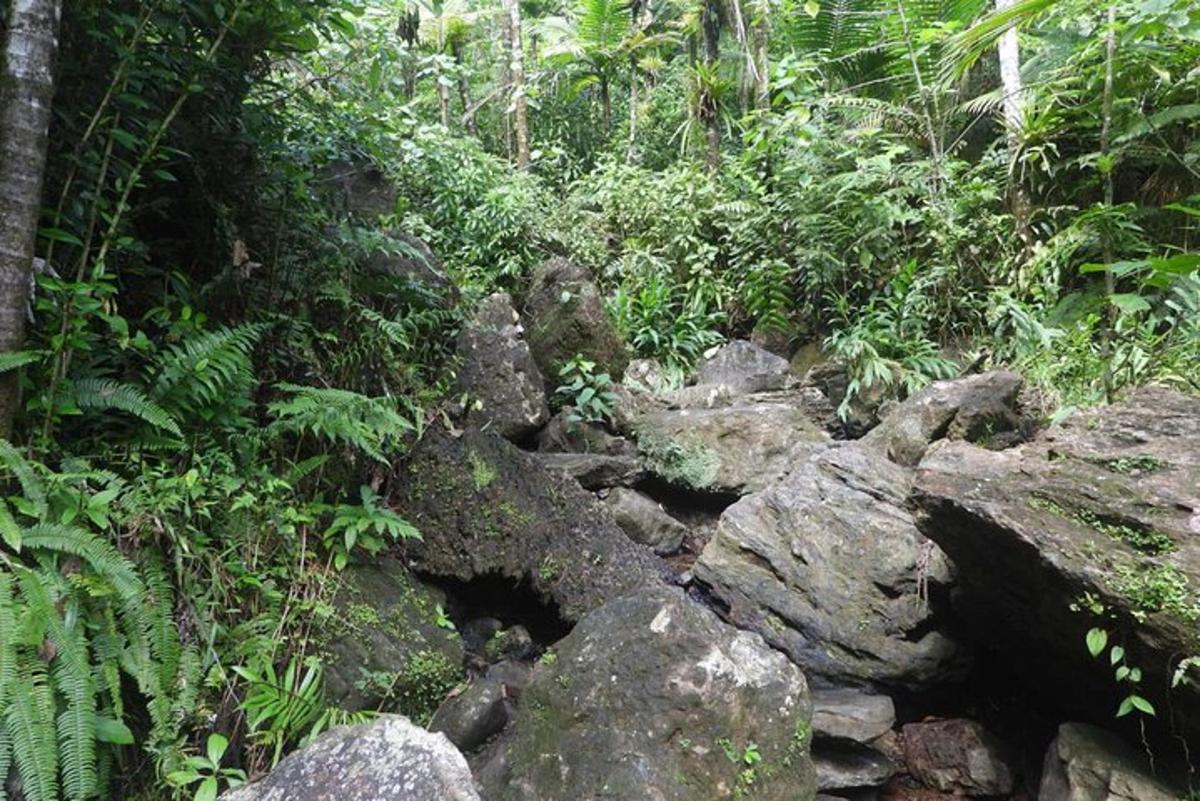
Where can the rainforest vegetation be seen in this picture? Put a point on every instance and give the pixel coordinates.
(204, 384)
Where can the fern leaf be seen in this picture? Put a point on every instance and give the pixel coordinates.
(20, 358)
(99, 555)
(206, 370)
(31, 484)
(102, 394)
(30, 723)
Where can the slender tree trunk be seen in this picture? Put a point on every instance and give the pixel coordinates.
(464, 89)
(1008, 50)
(26, 94)
(1110, 283)
(762, 60)
(606, 103)
(928, 106)
(709, 109)
(631, 150)
(517, 70)
(443, 92)
(506, 81)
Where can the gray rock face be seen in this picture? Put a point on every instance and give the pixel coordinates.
(645, 521)
(744, 368)
(645, 375)
(830, 378)
(484, 506)
(735, 449)
(956, 756)
(849, 714)
(499, 373)
(410, 257)
(382, 645)
(849, 766)
(827, 565)
(563, 435)
(653, 697)
(1085, 763)
(471, 717)
(974, 408)
(566, 316)
(595, 471)
(388, 758)
(1107, 507)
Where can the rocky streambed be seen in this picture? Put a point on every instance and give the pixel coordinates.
(722, 596)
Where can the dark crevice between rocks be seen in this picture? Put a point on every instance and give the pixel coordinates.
(686, 501)
(492, 604)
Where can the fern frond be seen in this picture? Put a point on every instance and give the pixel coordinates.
(340, 416)
(206, 370)
(31, 484)
(73, 679)
(99, 555)
(102, 394)
(30, 723)
(20, 358)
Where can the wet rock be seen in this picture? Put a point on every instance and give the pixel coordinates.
(827, 565)
(1103, 507)
(484, 507)
(564, 435)
(1085, 763)
(382, 644)
(975, 408)
(565, 315)
(498, 372)
(469, 718)
(956, 756)
(848, 766)
(387, 758)
(850, 714)
(743, 368)
(737, 449)
(595, 471)
(645, 521)
(652, 696)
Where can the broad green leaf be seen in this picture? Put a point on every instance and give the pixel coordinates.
(110, 730)
(1096, 640)
(1129, 303)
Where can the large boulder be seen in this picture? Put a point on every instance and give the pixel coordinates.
(505, 387)
(595, 471)
(382, 644)
(566, 317)
(743, 368)
(389, 758)
(845, 713)
(401, 255)
(652, 696)
(957, 756)
(828, 566)
(735, 449)
(1096, 523)
(645, 520)
(1085, 763)
(484, 507)
(977, 408)
(566, 434)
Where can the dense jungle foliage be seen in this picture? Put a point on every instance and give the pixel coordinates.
(214, 383)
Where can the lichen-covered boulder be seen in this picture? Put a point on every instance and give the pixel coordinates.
(566, 316)
(735, 449)
(505, 389)
(977, 408)
(645, 521)
(484, 507)
(1095, 523)
(382, 643)
(743, 367)
(653, 697)
(828, 566)
(389, 758)
(1085, 763)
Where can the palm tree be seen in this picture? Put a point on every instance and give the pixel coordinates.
(26, 91)
(596, 43)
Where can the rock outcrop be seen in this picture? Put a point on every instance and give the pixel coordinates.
(743, 368)
(652, 696)
(565, 316)
(645, 521)
(387, 758)
(382, 645)
(958, 757)
(828, 566)
(1085, 763)
(484, 507)
(978, 408)
(505, 389)
(1102, 512)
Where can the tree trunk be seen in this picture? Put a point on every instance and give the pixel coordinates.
(1009, 54)
(464, 89)
(606, 103)
(709, 108)
(26, 95)
(1110, 282)
(517, 70)
(631, 150)
(762, 61)
(443, 92)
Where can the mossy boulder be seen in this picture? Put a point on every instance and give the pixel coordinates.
(565, 316)
(485, 507)
(652, 696)
(1093, 524)
(383, 645)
